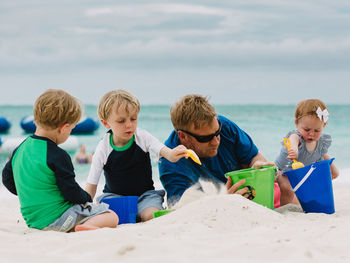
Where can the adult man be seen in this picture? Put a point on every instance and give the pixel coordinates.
(219, 143)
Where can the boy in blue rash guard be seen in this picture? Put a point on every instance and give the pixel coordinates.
(220, 144)
(42, 174)
(123, 155)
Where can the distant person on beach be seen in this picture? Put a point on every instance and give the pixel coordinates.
(219, 143)
(308, 144)
(82, 157)
(123, 155)
(42, 174)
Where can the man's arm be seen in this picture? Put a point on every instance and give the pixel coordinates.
(175, 185)
(258, 161)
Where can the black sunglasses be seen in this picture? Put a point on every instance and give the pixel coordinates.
(204, 138)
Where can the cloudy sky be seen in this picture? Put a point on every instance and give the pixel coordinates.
(259, 51)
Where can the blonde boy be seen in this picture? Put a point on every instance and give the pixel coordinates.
(42, 174)
(123, 155)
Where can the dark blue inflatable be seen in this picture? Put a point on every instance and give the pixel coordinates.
(27, 124)
(4, 124)
(86, 125)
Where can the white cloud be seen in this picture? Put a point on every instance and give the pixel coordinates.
(167, 52)
(86, 30)
(70, 38)
(151, 9)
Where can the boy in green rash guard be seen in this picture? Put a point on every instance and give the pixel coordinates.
(42, 174)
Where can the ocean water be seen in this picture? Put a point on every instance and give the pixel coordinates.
(266, 124)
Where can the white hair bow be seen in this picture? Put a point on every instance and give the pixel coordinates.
(322, 113)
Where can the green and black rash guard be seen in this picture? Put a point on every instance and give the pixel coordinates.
(42, 175)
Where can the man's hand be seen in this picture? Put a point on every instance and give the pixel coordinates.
(258, 161)
(259, 164)
(233, 189)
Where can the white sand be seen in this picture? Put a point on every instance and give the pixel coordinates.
(214, 228)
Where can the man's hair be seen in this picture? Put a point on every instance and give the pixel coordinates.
(192, 108)
(56, 107)
(119, 98)
(308, 107)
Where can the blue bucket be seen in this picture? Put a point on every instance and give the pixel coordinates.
(124, 206)
(312, 185)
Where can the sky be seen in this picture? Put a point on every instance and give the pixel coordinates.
(235, 52)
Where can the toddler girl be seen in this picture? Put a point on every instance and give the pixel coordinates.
(307, 143)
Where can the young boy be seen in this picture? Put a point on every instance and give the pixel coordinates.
(123, 154)
(42, 174)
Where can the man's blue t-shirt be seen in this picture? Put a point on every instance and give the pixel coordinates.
(236, 148)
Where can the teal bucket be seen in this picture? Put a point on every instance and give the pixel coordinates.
(124, 206)
(312, 185)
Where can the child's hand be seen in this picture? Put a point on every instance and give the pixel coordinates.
(177, 153)
(334, 169)
(292, 153)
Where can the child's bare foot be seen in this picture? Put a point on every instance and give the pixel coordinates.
(84, 228)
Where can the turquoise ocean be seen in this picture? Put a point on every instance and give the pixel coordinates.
(266, 124)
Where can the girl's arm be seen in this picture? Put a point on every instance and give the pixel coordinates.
(334, 169)
(294, 144)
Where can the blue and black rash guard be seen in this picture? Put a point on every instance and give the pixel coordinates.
(127, 169)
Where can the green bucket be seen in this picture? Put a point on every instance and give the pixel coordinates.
(260, 183)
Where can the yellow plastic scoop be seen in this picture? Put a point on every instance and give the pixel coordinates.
(295, 164)
(193, 156)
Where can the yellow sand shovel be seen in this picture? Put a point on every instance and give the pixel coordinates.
(295, 164)
(193, 156)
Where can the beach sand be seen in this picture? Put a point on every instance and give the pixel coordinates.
(213, 228)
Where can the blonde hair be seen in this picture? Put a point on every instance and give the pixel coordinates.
(308, 108)
(56, 107)
(192, 108)
(118, 98)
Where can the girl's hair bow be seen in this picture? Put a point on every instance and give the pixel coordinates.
(322, 114)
